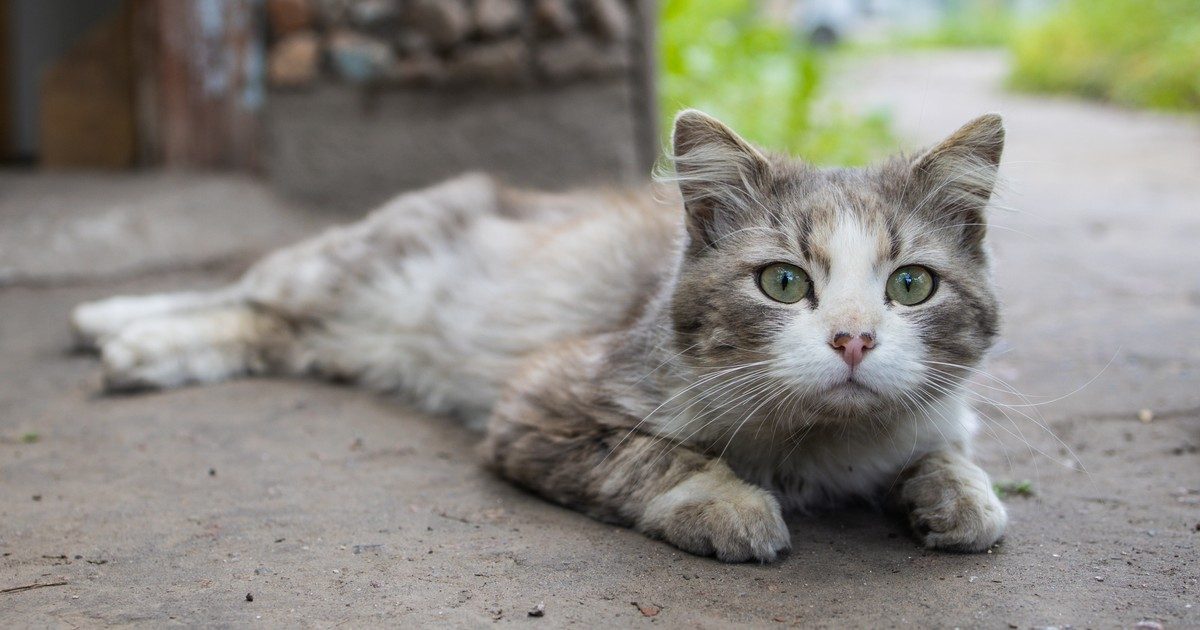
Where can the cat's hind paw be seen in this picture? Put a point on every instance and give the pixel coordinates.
(204, 347)
(93, 323)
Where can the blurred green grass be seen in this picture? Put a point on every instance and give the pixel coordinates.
(1139, 53)
(722, 57)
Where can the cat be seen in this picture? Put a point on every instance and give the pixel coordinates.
(751, 337)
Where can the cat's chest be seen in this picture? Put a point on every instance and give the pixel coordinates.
(831, 467)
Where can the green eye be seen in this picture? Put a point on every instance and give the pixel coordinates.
(783, 282)
(911, 285)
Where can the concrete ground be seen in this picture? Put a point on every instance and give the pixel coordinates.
(328, 506)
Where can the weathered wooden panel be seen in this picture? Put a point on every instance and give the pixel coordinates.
(6, 109)
(87, 108)
(200, 86)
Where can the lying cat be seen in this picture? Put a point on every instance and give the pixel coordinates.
(770, 336)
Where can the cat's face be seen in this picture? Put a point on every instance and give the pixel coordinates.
(846, 291)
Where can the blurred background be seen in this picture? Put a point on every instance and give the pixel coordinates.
(345, 101)
(159, 145)
(282, 108)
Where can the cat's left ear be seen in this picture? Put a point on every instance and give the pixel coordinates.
(958, 175)
(719, 175)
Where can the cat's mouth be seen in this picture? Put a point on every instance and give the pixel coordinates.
(850, 397)
(853, 390)
(850, 385)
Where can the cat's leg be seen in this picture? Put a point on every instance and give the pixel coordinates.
(562, 440)
(171, 339)
(200, 346)
(666, 491)
(950, 503)
(94, 322)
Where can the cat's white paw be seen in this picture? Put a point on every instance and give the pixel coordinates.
(171, 351)
(93, 323)
(140, 357)
(713, 513)
(951, 504)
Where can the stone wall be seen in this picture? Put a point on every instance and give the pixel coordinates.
(370, 97)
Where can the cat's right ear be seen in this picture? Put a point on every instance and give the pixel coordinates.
(718, 174)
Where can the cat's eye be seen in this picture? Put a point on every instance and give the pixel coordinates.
(911, 285)
(783, 282)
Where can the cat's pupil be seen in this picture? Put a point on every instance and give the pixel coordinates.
(908, 280)
(785, 279)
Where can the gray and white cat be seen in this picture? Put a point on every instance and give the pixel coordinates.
(763, 336)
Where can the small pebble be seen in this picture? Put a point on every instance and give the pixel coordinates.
(1099, 578)
(539, 610)
(249, 597)
(1145, 415)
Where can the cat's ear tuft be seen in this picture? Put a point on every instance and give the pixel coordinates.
(717, 171)
(980, 141)
(959, 174)
(695, 130)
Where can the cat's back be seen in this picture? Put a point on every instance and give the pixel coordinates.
(489, 276)
(583, 262)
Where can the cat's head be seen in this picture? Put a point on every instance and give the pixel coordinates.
(848, 290)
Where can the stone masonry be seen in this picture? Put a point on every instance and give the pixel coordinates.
(370, 97)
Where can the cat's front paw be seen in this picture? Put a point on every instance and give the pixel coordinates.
(951, 504)
(713, 513)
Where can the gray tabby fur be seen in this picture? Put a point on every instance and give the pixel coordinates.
(618, 350)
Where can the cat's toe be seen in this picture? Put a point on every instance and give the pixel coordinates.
(124, 366)
(719, 515)
(150, 354)
(965, 526)
(970, 520)
(951, 504)
(90, 323)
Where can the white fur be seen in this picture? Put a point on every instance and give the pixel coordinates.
(436, 296)
(171, 350)
(95, 322)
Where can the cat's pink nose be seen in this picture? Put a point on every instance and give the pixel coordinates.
(852, 348)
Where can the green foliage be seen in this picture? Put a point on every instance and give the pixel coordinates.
(1142, 53)
(722, 57)
(30, 438)
(1007, 489)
